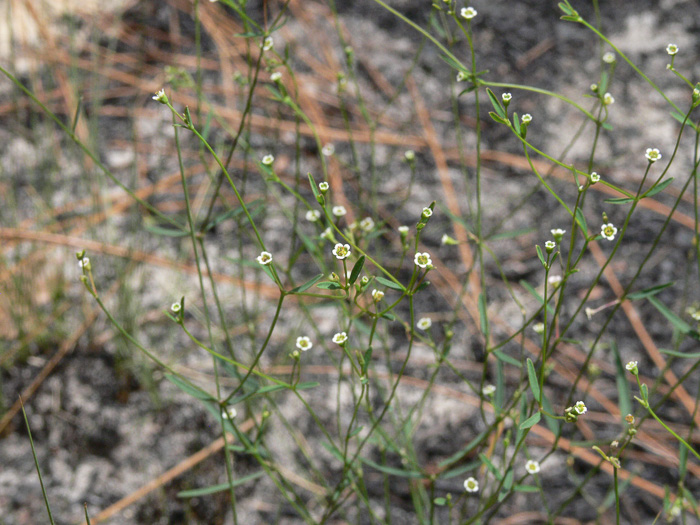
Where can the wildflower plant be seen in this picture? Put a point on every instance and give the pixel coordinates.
(526, 292)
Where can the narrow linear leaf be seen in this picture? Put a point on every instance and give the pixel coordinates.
(533, 292)
(648, 292)
(165, 232)
(219, 488)
(531, 421)
(511, 234)
(624, 396)
(486, 461)
(581, 220)
(541, 255)
(391, 470)
(620, 200)
(516, 124)
(676, 321)
(328, 285)
(498, 119)
(496, 105)
(682, 355)
(658, 188)
(526, 488)
(532, 376)
(187, 389)
(357, 269)
(466, 450)
(307, 284)
(390, 284)
(483, 319)
(507, 359)
(552, 424)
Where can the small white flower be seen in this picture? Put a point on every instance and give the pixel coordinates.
(526, 118)
(580, 408)
(161, 97)
(506, 97)
(672, 49)
(340, 338)
(341, 251)
(268, 160)
(446, 239)
(424, 323)
(327, 234)
(313, 215)
(229, 413)
(488, 390)
(323, 186)
(403, 230)
(632, 367)
(328, 150)
(558, 233)
(304, 343)
(653, 154)
(608, 99)
(176, 307)
(695, 315)
(367, 224)
(532, 466)
(410, 155)
(276, 76)
(609, 57)
(538, 328)
(422, 259)
(264, 258)
(608, 231)
(550, 245)
(471, 485)
(427, 212)
(594, 177)
(339, 211)
(377, 295)
(461, 76)
(554, 280)
(84, 263)
(468, 13)
(268, 43)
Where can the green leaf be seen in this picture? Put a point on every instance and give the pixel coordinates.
(526, 488)
(658, 188)
(516, 124)
(357, 269)
(532, 377)
(511, 234)
(486, 461)
(551, 422)
(676, 321)
(483, 319)
(507, 359)
(686, 355)
(219, 488)
(648, 292)
(497, 105)
(541, 255)
(531, 421)
(607, 126)
(454, 458)
(507, 484)
(389, 316)
(619, 200)
(390, 284)
(624, 396)
(581, 220)
(328, 285)
(498, 119)
(307, 284)
(391, 470)
(440, 502)
(314, 188)
(165, 232)
(533, 292)
(188, 389)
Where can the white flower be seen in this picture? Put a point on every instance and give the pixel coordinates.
(410, 155)
(313, 215)
(558, 233)
(580, 408)
(327, 234)
(422, 259)
(608, 99)
(461, 76)
(632, 366)
(403, 230)
(161, 97)
(608, 231)
(594, 177)
(229, 413)
(468, 13)
(268, 160)
(609, 57)
(377, 295)
(446, 239)
(538, 328)
(340, 338)
(339, 211)
(526, 118)
(554, 280)
(488, 390)
(653, 154)
(532, 466)
(323, 186)
(471, 485)
(328, 150)
(550, 245)
(672, 49)
(268, 43)
(506, 97)
(341, 251)
(264, 258)
(304, 343)
(176, 307)
(276, 76)
(427, 212)
(424, 323)
(367, 224)
(84, 263)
